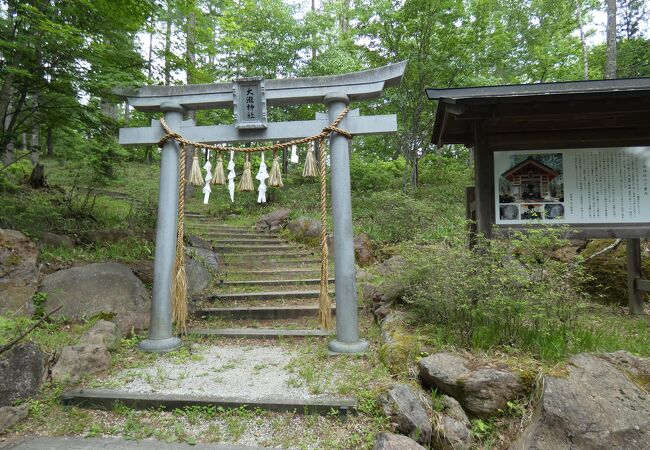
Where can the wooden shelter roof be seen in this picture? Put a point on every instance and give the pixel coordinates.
(599, 113)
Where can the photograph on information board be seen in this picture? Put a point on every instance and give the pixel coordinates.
(595, 185)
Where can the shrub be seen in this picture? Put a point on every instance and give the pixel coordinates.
(504, 293)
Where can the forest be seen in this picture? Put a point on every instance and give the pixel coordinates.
(466, 345)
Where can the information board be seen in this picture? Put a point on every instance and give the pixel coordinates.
(575, 186)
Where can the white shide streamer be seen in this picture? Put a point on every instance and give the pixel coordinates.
(294, 155)
(231, 176)
(208, 177)
(261, 176)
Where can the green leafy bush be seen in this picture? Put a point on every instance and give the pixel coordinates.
(374, 174)
(504, 293)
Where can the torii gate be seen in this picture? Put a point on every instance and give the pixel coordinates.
(336, 92)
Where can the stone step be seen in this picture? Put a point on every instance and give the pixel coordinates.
(276, 295)
(113, 443)
(264, 263)
(274, 282)
(269, 254)
(259, 312)
(285, 272)
(255, 247)
(209, 232)
(107, 399)
(258, 333)
(257, 241)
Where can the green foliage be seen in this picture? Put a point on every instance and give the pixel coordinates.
(368, 174)
(503, 293)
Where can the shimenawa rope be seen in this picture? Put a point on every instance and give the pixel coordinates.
(179, 281)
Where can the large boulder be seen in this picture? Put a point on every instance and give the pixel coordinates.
(305, 229)
(363, 250)
(594, 406)
(198, 276)
(132, 323)
(18, 273)
(408, 411)
(102, 333)
(143, 269)
(11, 415)
(453, 430)
(22, 372)
(97, 237)
(390, 441)
(482, 390)
(198, 242)
(79, 360)
(273, 221)
(88, 290)
(206, 257)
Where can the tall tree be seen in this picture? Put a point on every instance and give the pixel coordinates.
(610, 56)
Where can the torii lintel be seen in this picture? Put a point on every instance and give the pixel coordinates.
(363, 85)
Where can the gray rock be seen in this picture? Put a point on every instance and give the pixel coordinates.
(18, 273)
(482, 391)
(198, 242)
(132, 323)
(56, 240)
(637, 367)
(273, 221)
(102, 333)
(363, 250)
(453, 430)
(595, 407)
(392, 265)
(370, 293)
(79, 360)
(22, 372)
(488, 390)
(304, 228)
(104, 287)
(207, 258)
(445, 372)
(402, 404)
(143, 269)
(11, 415)
(382, 311)
(390, 441)
(198, 276)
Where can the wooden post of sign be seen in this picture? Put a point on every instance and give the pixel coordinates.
(634, 274)
(483, 178)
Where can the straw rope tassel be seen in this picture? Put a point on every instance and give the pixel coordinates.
(179, 281)
(310, 169)
(275, 179)
(246, 182)
(219, 174)
(324, 301)
(196, 178)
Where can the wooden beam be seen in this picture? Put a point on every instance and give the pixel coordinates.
(583, 231)
(484, 180)
(634, 272)
(620, 137)
(276, 131)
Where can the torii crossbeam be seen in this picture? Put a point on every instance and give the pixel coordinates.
(335, 92)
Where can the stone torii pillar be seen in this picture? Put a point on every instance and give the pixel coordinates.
(335, 92)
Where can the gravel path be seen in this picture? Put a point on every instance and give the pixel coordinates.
(225, 371)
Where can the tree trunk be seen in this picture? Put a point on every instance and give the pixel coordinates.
(148, 154)
(190, 61)
(168, 44)
(37, 178)
(583, 42)
(50, 142)
(313, 38)
(610, 56)
(35, 137)
(10, 152)
(415, 172)
(344, 20)
(150, 57)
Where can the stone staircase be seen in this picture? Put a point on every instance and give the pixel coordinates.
(267, 287)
